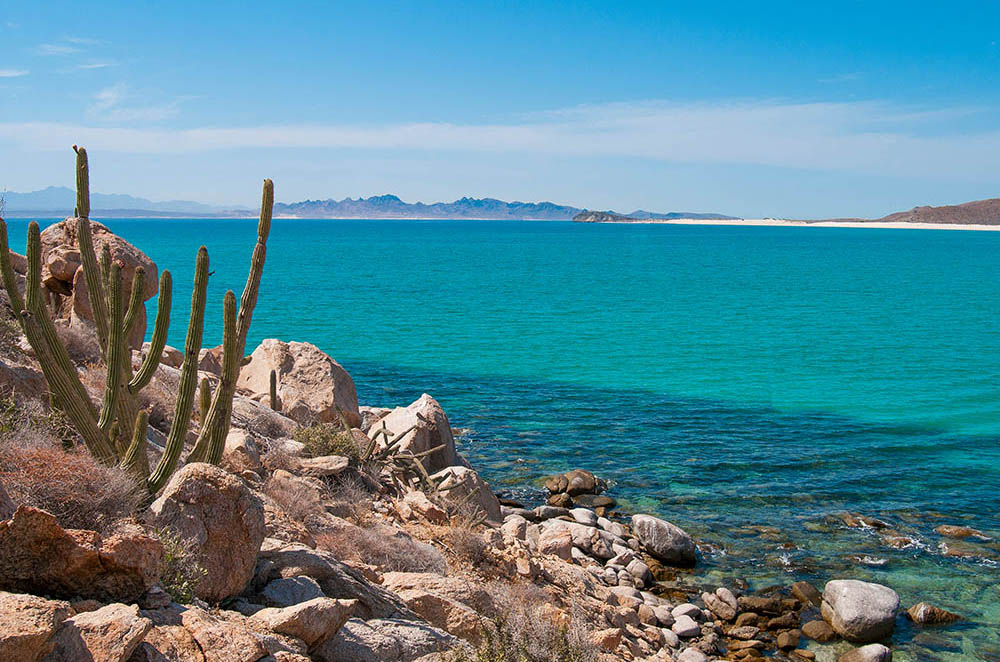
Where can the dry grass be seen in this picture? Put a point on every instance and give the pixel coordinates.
(522, 632)
(298, 500)
(329, 439)
(388, 549)
(350, 499)
(79, 343)
(72, 485)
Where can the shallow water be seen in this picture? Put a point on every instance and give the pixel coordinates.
(722, 377)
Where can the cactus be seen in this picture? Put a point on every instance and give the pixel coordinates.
(103, 431)
(204, 398)
(274, 391)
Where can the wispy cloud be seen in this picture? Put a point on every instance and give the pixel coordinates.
(93, 65)
(13, 73)
(843, 78)
(56, 49)
(860, 137)
(84, 41)
(110, 105)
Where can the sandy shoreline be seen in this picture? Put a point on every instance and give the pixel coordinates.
(811, 224)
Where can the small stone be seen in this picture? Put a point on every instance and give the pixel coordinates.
(788, 639)
(745, 632)
(803, 654)
(819, 631)
(926, 614)
(670, 638)
(684, 626)
(691, 655)
(646, 615)
(664, 615)
(747, 618)
(807, 593)
(786, 621)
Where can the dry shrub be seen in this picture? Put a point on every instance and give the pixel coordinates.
(79, 491)
(522, 632)
(297, 499)
(329, 439)
(81, 344)
(388, 549)
(350, 499)
(276, 459)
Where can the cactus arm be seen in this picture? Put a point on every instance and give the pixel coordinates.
(93, 274)
(188, 381)
(135, 301)
(212, 437)
(115, 351)
(82, 183)
(7, 271)
(204, 399)
(133, 460)
(220, 413)
(274, 391)
(159, 340)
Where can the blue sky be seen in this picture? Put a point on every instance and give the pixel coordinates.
(792, 109)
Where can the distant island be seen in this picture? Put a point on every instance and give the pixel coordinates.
(58, 201)
(976, 215)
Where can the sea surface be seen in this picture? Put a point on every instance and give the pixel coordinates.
(748, 384)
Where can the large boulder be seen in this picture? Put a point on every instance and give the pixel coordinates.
(463, 487)
(39, 556)
(313, 622)
(108, 634)
(62, 272)
(27, 625)
(190, 633)
(859, 611)
(312, 387)
(7, 507)
(869, 653)
(425, 426)
(216, 512)
(384, 640)
(664, 541)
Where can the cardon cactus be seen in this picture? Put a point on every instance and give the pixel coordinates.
(116, 433)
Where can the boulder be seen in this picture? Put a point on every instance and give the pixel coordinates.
(664, 541)
(692, 655)
(807, 593)
(453, 588)
(463, 486)
(223, 519)
(27, 625)
(241, 452)
(684, 626)
(557, 542)
(193, 634)
(444, 613)
(290, 591)
(261, 420)
(109, 634)
(859, 611)
(335, 578)
(869, 653)
(425, 426)
(39, 556)
(7, 507)
(722, 603)
(384, 640)
(370, 416)
(312, 387)
(314, 622)
(420, 505)
(926, 614)
(819, 631)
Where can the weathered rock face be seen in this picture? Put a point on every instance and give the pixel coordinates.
(221, 516)
(312, 387)
(63, 275)
(371, 415)
(461, 484)
(109, 634)
(192, 634)
(39, 556)
(314, 622)
(384, 640)
(859, 611)
(664, 541)
(430, 429)
(27, 625)
(241, 452)
(291, 591)
(7, 507)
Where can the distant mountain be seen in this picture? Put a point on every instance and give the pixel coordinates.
(639, 216)
(979, 212)
(59, 200)
(390, 206)
(670, 215)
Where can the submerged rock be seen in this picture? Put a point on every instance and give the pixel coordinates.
(925, 614)
(860, 611)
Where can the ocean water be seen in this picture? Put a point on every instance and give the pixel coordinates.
(748, 384)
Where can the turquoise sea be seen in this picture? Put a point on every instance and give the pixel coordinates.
(746, 383)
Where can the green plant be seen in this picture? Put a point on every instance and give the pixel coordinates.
(116, 433)
(181, 574)
(329, 439)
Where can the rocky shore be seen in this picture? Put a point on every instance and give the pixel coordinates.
(331, 531)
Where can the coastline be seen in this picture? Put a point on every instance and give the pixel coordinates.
(773, 222)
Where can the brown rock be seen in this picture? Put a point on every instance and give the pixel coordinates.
(444, 613)
(424, 507)
(760, 605)
(803, 654)
(312, 387)
(212, 508)
(560, 500)
(961, 532)
(557, 542)
(463, 486)
(607, 640)
(747, 618)
(194, 635)
(926, 614)
(313, 621)
(27, 624)
(819, 631)
(109, 634)
(7, 506)
(787, 621)
(39, 556)
(745, 632)
(807, 593)
(788, 639)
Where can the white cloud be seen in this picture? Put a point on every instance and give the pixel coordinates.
(85, 41)
(13, 73)
(56, 49)
(861, 137)
(93, 65)
(108, 106)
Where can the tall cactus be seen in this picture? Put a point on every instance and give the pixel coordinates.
(116, 433)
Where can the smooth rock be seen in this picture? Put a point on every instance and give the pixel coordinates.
(869, 653)
(583, 516)
(423, 426)
(384, 640)
(807, 593)
(314, 621)
(291, 591)
(691, 655)
(664, 541)
(223, 519)
(859, 611)
(687, 609)
(819, 631)
(788, 639)
(685, 627)
(926, 614)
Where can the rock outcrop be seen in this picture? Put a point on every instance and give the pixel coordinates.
(462, 486)
(384, 640)
(312, 387)
(215, 511)
(39, 556)
(859, 611)
(27, 625)
(108, 634)
(314, 621)
(664, 541)
(426, 427)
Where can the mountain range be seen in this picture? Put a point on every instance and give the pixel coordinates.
(59, 201)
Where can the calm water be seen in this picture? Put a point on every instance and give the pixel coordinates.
(723, 377)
